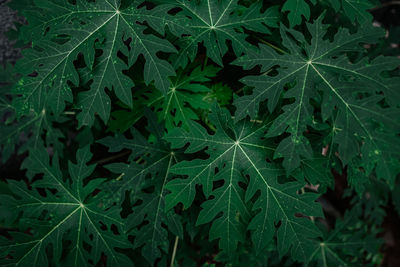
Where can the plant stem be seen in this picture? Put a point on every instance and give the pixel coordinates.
(174, 251)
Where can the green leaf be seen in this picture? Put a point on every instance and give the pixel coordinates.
(186, 94)
(144, 179)
(352, 96)
(221, 93)
(236, 152)
(199, 165)
(67, 212)
(33, 126)
(354, 10)
(213, 23)
(122, 119)
(67, 30)
(348, 243)
(315, 171)
(297, 9)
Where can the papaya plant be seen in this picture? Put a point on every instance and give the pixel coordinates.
(198, 133)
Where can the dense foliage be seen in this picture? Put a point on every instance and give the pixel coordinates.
(197, 132)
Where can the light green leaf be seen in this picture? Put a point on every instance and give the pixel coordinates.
(187, 94)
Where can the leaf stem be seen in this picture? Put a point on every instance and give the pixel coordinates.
(205, 62)
(111, 158)
(312, 218)
(272, 46)
(174, 251)
(385, 5)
